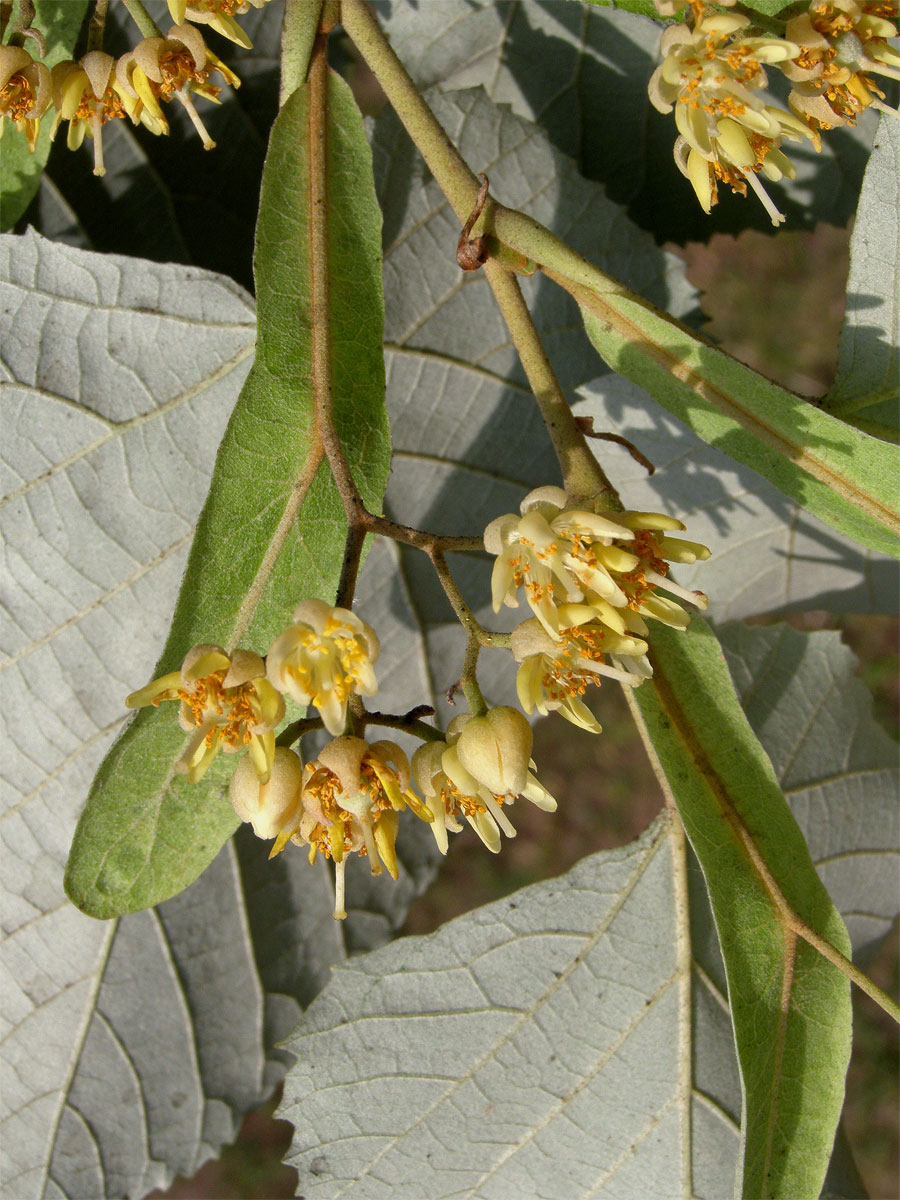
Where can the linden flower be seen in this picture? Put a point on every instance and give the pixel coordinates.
(273, 808)
(484, 763)
(217, 14)
(555, 674)
(652, 547)
(160, 69)
(87, 95)
(325, 656)
(841, 42)
(351, 796)
(712, 75)
(226, 704)
(557, 554)
(25, 92)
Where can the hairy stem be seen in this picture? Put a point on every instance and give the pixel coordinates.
(468, 678)
(420, 538)
(452, 173)
(320, 329)
(353, 548)
(142, 19)
(296, 730)
(581, 472)
(407, 722)
(97, 25)
(473, 627)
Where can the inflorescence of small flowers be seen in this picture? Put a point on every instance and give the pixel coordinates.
(89, 93)
(593, 580)
(713, 75)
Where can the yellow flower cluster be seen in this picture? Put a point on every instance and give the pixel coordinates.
(348, 799)
(591, 579)
(842, 44)
(97, 89)
(233, 701)
(713, 75)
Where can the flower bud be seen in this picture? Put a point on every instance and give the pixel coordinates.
(273, 807)
(496, 750)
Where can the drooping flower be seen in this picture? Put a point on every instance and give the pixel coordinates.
(178, 67)
(475, 774)
(226, 703)
(609, 565)
(273, 808)
(842, 44)
(654, 550)
(714, 77)
(555, 674)
(351, 796)
(217, 14)
(555, 553)
(88, 96)
(25, 92)
(323, 658)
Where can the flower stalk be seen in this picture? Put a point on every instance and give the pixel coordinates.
(142, 19)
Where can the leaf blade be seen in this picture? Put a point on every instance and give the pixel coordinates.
(838, 473)
(272, 529)
(755, 859)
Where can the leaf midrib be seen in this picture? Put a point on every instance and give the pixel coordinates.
(743, 841)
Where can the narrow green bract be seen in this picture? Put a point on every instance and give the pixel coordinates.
(773, 431)
(272, 530)
(790, 1007)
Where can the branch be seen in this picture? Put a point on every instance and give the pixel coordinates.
(467, 197)
(142, 19)
(582, 474)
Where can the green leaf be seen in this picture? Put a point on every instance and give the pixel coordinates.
(20, 172)
(790, 1008)
(845, 477)
(836, 765)
(768, 554)
(869, 348)
(273, 527)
